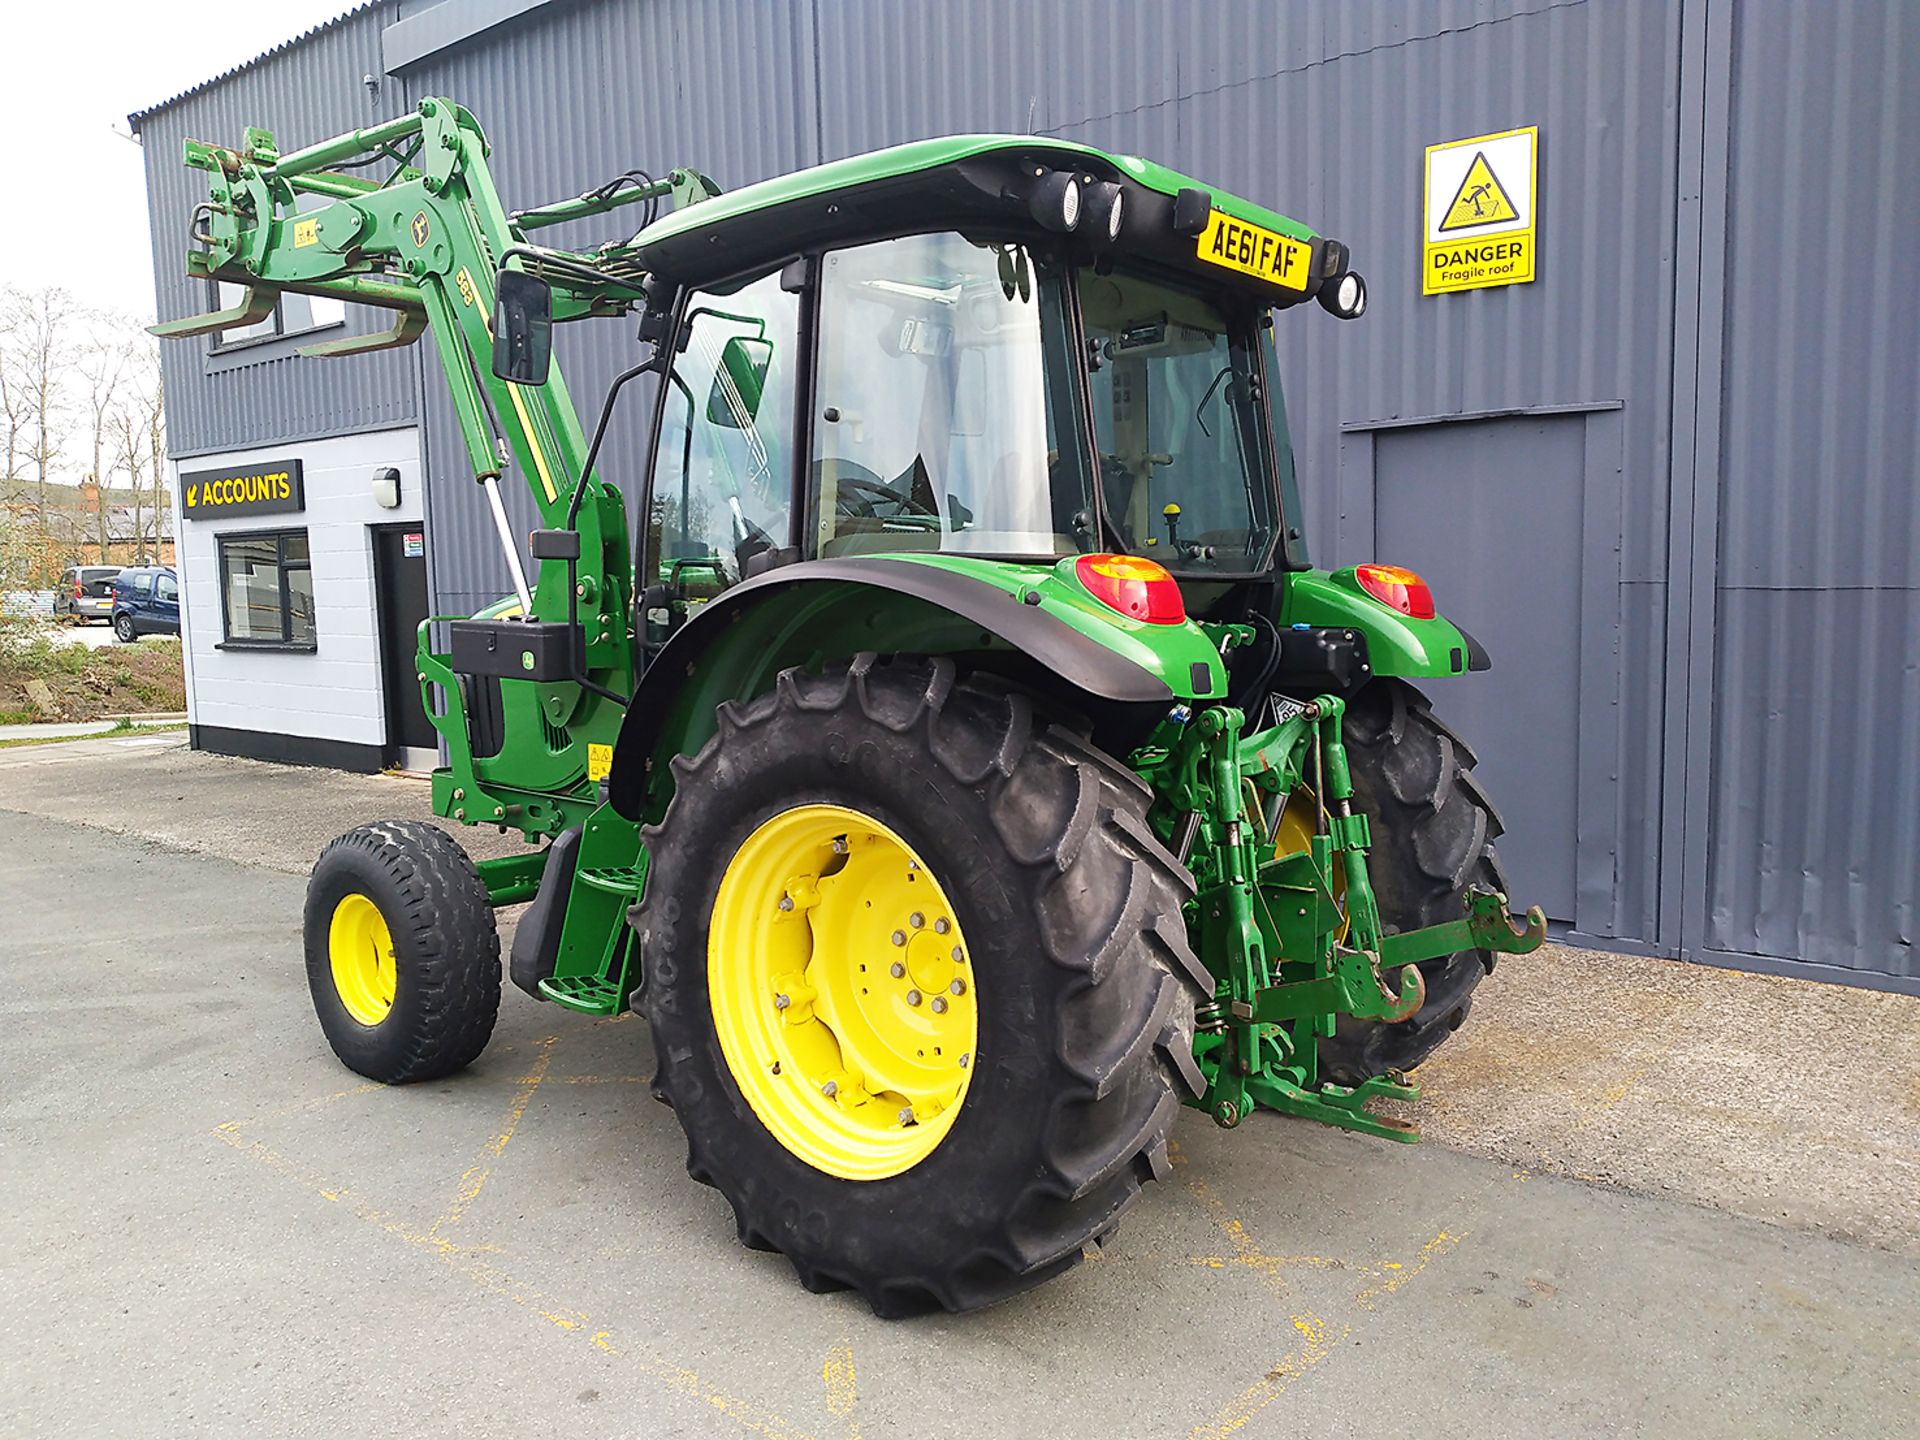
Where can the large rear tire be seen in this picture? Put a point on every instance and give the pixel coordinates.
(1079, 989)
(403, 958)
(1433, 831)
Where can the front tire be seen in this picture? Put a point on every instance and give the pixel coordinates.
(123, 630)
(1081, 993)
(403, 959)
(1433, 831)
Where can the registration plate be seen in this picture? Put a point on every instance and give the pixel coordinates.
(1255, 250)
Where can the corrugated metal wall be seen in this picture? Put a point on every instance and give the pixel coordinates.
(1727, 290)
(1813, 845)
(240, 396)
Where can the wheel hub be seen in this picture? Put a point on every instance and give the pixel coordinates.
(842, 991)
(360, 948)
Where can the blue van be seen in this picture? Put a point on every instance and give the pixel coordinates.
(146, 601)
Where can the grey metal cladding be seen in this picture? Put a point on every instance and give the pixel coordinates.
(1765, 712)
(262, 393)
(1814, 829)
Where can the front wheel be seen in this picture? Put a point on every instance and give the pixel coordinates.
(1433, 830)
(123, 629)
(920, 990)
(402, 955)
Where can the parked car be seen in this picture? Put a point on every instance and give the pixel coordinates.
(85, 592)
(146, 601)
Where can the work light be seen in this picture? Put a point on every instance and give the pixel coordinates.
(1106, 202)
(1346, 297)
(1054, 200)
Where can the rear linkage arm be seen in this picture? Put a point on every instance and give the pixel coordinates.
(1293, 941)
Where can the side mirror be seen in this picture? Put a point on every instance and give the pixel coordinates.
(522, 328)
(737, 385)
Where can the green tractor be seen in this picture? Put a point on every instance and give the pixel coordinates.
(957, 761)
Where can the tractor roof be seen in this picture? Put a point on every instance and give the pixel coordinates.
(953, 180)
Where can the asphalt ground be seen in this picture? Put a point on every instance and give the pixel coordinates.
(208, 1227)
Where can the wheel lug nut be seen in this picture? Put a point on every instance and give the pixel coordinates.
(916, 920)
(899, 937)
(959, 956)
(963, 1061)
(939, 1004)
(959, 987)
(830, 1089)
(913, 997)
(780, 1002)
(940, 926)
(896, 970)
(786, 902)
(906, 1115)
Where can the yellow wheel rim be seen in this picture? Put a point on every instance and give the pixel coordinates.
(1295, 832)
(842, 992)
(361, 949)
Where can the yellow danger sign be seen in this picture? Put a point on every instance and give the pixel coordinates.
(1480, 211)
(1479, 200)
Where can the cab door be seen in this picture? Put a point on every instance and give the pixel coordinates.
(720, 499)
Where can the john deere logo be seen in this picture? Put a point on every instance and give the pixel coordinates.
(421, 230)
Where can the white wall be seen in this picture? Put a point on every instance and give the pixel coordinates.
(335, 692)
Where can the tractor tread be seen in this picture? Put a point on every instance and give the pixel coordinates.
(1087, 1098)
(436, 908)
(1433, 829)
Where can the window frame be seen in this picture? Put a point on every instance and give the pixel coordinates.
(220, 345)
(286, 642)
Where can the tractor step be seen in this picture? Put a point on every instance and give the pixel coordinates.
(588, 994)
(614, 879)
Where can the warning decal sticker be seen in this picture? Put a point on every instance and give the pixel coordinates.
(1480, 212)
(1479, 200)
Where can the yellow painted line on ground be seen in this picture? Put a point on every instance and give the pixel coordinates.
(490, 1279)
(314, 1102)
(1317, 1338)
(1246, 1253)
(1393, 1274)
(1317, 1341)
(843, 1389)
(584, 1080)
(475, 1179)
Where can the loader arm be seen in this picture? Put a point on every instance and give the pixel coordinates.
(426, 242)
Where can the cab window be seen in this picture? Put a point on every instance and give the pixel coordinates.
(722, 471)
(1180, 420)
(946, 416)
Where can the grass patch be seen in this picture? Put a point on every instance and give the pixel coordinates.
(44, 680)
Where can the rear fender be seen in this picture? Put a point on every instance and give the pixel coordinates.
(821, 611)
(1396, 644)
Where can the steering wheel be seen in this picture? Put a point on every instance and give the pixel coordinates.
(868, 493)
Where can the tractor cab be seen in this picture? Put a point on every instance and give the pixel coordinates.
(987, 347)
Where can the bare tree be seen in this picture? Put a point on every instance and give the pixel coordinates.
(140, 443)
(102, 370)
(42, 348)
(14, 411)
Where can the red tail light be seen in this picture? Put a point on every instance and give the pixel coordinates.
(1136, 588)
(1397, 587)
(79, 591)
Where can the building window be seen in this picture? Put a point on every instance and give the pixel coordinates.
(292, 314)
(266, 590)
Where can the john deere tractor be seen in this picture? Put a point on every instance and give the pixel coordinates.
(957, 760)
